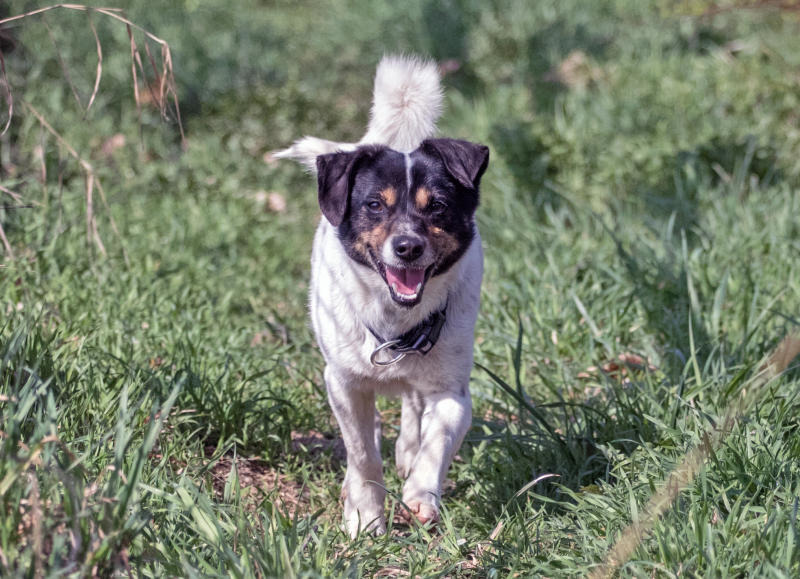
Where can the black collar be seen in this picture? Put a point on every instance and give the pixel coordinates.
(418, 340)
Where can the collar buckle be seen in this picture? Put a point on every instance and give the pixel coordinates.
(418, 340)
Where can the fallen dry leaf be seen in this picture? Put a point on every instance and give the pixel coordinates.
(276, 202)
(112, 144)
(575, 71)
(622, 366)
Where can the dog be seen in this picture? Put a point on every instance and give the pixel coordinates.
(396, 271)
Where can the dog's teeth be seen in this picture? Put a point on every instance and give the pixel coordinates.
(403, 296)
(419, 287)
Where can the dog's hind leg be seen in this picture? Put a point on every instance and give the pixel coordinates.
(363, 488)
(407, 444)
(445, 421)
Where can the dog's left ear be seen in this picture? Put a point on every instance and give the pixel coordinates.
(335, 175)
(463, 160)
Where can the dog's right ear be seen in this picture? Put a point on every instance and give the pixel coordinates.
(335, 176)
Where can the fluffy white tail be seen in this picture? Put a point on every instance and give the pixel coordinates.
(407, 102)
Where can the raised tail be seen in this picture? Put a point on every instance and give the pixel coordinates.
(407, 102)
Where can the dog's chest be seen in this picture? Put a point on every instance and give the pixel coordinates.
(347, 300)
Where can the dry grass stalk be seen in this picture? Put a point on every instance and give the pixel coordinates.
(777, 5)
(694, 461)
(92, 182)
(15, 196)
(9, 96)
(6, 244)
(99, 72)
(63, 65)
(709, 8)
(36, 516)
(167, 94)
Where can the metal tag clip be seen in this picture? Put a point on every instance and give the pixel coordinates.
(373, 358)
(419, 340)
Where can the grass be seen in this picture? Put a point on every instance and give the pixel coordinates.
(163, 408)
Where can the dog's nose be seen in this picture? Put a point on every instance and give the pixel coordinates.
(407, 247)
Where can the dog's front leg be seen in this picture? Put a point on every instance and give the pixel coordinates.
(445, 421)
(407, 444)
(363, 490)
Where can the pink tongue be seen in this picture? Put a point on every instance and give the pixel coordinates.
(406, 280)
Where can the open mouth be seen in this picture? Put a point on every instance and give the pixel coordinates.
(405, 283)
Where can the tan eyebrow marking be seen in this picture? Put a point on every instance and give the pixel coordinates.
(389, 196)
(422, 197)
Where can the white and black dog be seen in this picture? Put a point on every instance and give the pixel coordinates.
(395, 287)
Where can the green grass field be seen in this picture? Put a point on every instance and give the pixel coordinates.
(162, 408)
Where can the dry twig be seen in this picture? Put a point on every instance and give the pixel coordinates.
(6, 245)
(694, 461)
(92, 181)
(8, 95)
(167, 91)
(777, 5)
(165, 99)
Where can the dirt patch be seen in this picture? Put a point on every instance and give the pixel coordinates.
(259, 479)
(317, 444)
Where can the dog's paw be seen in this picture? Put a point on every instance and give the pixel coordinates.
(366, 517)
(420, 511)
(356, 524)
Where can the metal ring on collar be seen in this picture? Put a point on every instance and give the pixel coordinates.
(373, 358)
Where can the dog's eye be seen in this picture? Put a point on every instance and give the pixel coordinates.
(437, 206)
(375, 206)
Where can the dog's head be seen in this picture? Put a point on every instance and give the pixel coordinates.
(409, 217)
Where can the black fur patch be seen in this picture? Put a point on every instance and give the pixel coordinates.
(355, 189)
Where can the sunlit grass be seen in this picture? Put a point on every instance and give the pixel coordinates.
(166, 415)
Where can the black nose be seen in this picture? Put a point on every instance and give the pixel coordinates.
(408, 248)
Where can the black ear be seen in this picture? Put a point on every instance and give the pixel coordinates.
(463, 160)
(335, 174)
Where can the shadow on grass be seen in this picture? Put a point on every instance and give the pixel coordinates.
(731, 167)
(529, 161)
(447, 26)
(231, 408)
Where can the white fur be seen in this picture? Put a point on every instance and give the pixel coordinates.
(307, 149)
(346, 298)
(407, 102)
